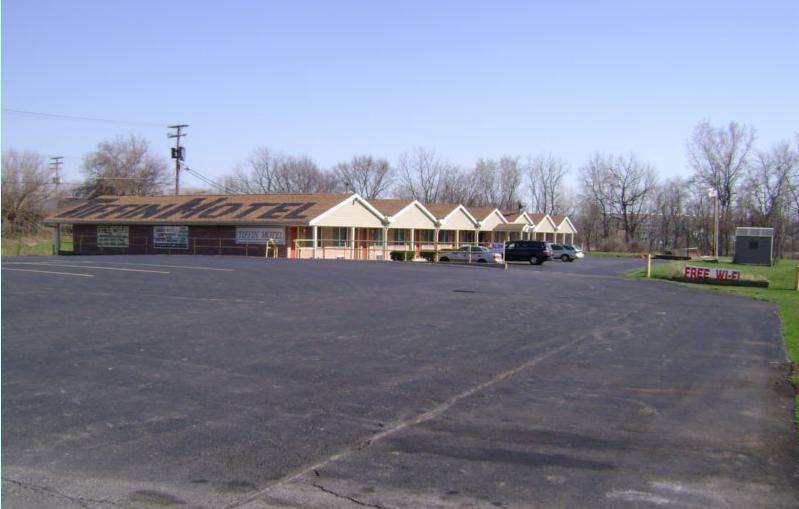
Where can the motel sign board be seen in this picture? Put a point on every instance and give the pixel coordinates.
(690, 272)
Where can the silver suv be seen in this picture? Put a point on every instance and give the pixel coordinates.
(564, 252)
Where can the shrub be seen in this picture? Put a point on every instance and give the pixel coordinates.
(430, 256)
(402, 256)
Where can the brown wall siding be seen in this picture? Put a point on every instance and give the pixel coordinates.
(207, 240)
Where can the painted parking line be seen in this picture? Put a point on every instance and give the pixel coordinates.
(160, 265)
(49, 272)
(41, 264)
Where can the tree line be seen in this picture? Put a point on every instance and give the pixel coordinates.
(619, 202)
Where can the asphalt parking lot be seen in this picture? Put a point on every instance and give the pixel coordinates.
(176, 381)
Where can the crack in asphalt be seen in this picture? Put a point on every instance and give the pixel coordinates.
(426, 416)
(345, 497)
(81, 501)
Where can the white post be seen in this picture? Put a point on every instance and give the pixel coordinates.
(435, 244)
(385, 244)
(457, 239)
(352, 241)
(413, 241)
(314, 240)
(56, 239)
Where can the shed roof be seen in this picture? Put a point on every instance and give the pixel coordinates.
(293, 209)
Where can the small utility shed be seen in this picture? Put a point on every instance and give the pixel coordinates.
(754, 246)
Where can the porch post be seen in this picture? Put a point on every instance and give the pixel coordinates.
(314, 236)
(413, 240)
(385, 244)
(56, 239)
(457, 239)
(352, 241)
(435, 244)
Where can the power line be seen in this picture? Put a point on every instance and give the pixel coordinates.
(209, 181)
(77, 117)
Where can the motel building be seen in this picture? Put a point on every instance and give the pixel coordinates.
(298, 226)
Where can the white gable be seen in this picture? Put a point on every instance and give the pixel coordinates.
(546, 225)
(566, 226)
(458, 219)
(412, 217)
(492, 220)
(351, 212)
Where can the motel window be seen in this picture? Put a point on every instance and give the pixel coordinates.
(377, 235)
(445, 236)
(399, 236)
(428, 236)
(339, 236)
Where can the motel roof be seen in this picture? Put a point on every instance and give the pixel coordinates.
(390, 207)
(308, 209)
(481, 213)
(292, 209)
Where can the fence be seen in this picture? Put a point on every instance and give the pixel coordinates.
(194, 245)
(368, 249)
(326, 249)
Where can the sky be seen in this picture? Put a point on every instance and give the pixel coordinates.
(335, 79)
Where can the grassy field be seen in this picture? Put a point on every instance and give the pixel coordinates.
(781, 291)
(33, 246)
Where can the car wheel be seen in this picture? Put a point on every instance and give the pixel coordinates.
(539, 261)
(443, 259)
(534, 261)
(564, 258)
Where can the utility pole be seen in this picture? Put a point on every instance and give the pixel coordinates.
(55, 165)
(712, 193)
(178, 153)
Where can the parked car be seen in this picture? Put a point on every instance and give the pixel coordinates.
(475, 254)
(564, 252)
(577, 250)
(534, 251)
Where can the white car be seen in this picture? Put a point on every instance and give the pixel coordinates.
(565, 252)
(475, 254)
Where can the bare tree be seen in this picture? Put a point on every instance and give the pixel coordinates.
(366, 175)
(259, 174)
(495, 183)
(124, 166)
(632, 181)
(485, 181)
(618, 187)
(268, 171)
(595, 189)
(545, 174)
(421, 175)
(669, 221)
(27, 189)
(719, 156)
(458, 187)
(767, 193)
